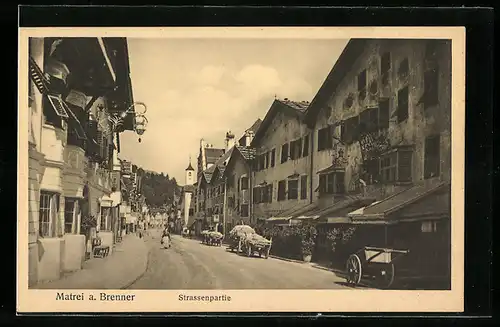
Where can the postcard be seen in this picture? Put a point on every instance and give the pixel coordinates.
(241, 169)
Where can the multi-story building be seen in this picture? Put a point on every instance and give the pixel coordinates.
(76, 84)
(280, 179)
(382, 126)
(186, 200)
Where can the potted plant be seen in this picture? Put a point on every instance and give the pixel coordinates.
(308, 241)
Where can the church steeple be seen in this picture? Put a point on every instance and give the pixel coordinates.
(190, 178)
(190, 167)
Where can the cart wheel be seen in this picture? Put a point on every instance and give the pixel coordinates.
(266, 254)
(239, 247)
(354, 270)
(249, 250)
(386, 277)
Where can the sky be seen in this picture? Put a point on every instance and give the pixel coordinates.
(202, 88)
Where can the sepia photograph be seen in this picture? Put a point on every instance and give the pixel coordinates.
(203, 164)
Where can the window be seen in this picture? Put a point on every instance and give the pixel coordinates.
(303, 187)
(362, 85)
(273, 156)
(325, 138)
(48, 213)
(70, 215)
(269, 193)
(244, 210)
(256, 194)
(428, 227)
(244, 183)
(432, 157)
(281, 190)
(295, 149)
(191, 212)
(383, 114)
(305, 149)
(404, 69)
(293, 188)
(431, 77)
(284, 153)
(396, 166)
(332, 183)
(104, 219)
(385, 67)
(368, 120)
(349, 130)
(403, 104)
(348, 102)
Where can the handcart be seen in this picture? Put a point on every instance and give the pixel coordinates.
(373, 264)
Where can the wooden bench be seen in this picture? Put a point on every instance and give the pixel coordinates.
(99, 250)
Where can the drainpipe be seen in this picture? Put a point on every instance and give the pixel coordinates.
(250, 186)
(311, 191)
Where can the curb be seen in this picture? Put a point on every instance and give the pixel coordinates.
(126, 286)
(336, 271)
(286, 259)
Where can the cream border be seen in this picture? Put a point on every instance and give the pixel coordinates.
(259, 300)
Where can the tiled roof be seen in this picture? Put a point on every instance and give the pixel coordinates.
(212, 154)
(297, 105)
(247, 152)
(252, 128)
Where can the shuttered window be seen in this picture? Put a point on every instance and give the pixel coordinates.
(284, 152)
(303, 187)
(273, 157)
(281, 190)
(293, 189)
(305, 148)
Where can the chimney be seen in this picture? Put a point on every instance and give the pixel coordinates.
(248, 137)
(229, 140)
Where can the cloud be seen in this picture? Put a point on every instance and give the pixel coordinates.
(208, 75)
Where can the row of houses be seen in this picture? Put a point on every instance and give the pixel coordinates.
(79, 98)
(372, 149)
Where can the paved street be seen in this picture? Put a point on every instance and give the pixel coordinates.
(188, 264)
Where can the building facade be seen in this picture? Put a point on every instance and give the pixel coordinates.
(75, 85)
(382, 132)
(280, 180)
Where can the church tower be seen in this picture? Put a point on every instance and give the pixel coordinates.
(190, 176)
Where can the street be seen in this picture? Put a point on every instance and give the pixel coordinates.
(188, 264)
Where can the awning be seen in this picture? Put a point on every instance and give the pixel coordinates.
(116, 198)
(332, 168)
(336, 213)
(279, 220)
(106, 58)
(106, 201)
(428, 200)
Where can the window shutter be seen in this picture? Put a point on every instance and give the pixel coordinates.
(273, 157)
(305, 149)
(404, 166)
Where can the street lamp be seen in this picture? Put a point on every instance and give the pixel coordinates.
(140, 120)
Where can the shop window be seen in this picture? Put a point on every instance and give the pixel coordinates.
(350, 130)
(432, 158)
(293, 188)
(244, 210)
(284, 152)
(305, 149)
(403, 104)
(383, 114)
(48, 213)
(396, 166)
(303, 187)
(385, 67)
(362, 85)
(273, 157)
(281, 190)
(71, 212)
(325, 138)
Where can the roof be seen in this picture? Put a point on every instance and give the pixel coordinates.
(190, 167)
(208, 173)
(392, 204)
(291, 108)
(342, 66)
(244, 152)
(212, 154)
(252, 128)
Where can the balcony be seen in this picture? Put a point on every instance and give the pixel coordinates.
(74, 158)
(98, 176)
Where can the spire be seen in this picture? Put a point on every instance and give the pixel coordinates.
(190, 167)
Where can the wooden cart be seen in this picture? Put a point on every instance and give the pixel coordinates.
(373, 264)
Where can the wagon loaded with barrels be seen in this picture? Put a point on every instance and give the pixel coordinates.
(244, 239)
(212, 238)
